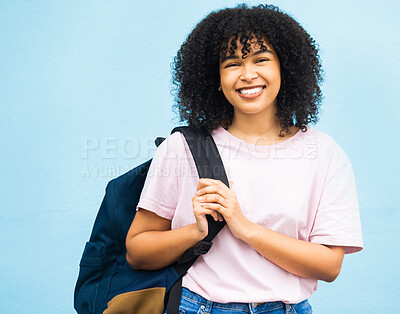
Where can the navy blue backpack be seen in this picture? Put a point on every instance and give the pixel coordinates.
(106, 282)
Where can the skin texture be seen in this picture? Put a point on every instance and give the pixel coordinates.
(259, 68)
(256, 114)
(151, 244)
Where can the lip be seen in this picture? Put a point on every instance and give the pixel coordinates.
(249, 96)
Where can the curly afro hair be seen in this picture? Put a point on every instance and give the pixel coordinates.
(196, 76)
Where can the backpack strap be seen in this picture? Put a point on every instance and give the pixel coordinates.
(209, 165)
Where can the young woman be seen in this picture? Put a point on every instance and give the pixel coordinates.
(250, 76)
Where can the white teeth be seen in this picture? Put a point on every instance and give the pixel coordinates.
(250, 90)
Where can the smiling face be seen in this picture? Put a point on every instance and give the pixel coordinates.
(251, 84)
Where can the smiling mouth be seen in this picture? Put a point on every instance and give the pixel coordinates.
(250, 91)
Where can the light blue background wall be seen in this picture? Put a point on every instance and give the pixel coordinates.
(97, 73)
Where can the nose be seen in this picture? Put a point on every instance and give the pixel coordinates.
(248, 73)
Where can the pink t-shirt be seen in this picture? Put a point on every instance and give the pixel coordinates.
(303, 187)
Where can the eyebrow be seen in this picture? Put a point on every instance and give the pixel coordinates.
(226, 58)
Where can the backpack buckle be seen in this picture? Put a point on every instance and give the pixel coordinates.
(202, 247)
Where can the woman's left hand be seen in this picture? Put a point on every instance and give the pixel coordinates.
(215, 195)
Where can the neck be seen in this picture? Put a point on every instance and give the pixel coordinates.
(261, 130)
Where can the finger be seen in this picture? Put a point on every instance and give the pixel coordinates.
(203, 182)
(214, 215)
(207, 189)
(219, 216)
(212, 198)
(214, 206)
(208, 182)
(201, 211)
(222, 190)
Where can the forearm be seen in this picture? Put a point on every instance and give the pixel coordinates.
(302, 258)
(298, 257)
(152, 250)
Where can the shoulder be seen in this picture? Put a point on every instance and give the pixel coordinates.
(173, 145)
(326, 146)
(330, 157)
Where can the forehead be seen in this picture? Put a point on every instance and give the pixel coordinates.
(244, 44)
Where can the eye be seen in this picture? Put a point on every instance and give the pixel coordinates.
(262, 60)
(229, 65)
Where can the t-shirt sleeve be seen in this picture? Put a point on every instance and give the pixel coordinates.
(337, 220)
(160, 191)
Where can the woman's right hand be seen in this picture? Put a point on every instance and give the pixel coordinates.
(200, 214)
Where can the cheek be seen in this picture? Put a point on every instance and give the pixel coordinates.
(274, 77)
(226, 79)
(274, 72)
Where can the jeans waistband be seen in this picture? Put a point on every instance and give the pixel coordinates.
(194, 297)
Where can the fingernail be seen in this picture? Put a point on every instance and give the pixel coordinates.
(200, 199)
(198, 192)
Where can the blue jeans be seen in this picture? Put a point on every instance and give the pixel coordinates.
(192, 303)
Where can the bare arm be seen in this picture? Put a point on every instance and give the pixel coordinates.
(302, 258)
(151, 244)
